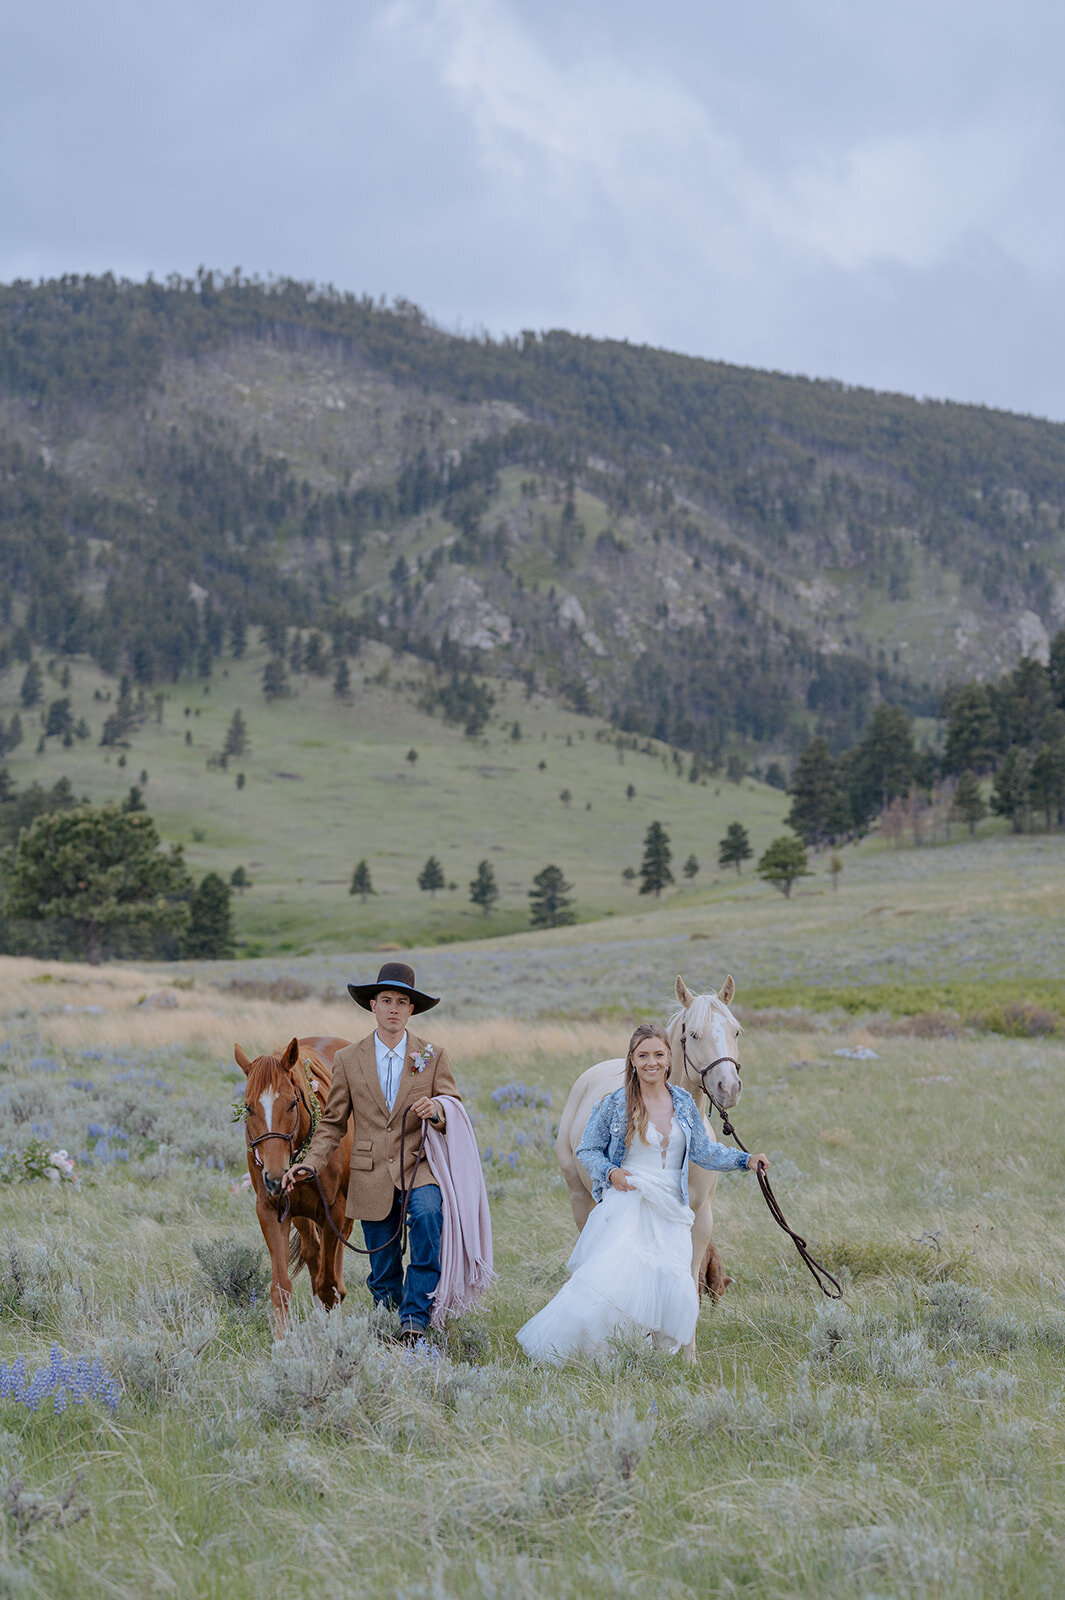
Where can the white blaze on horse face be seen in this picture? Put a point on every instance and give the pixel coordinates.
(725, 1079)
(712, 1032)
(267, 1100)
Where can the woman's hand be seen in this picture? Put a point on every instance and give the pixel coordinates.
(759, 1164)
(619, 1179)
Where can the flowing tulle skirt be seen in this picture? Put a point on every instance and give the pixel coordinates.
(631, 1272)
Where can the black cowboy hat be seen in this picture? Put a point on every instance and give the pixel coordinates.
(393, 975)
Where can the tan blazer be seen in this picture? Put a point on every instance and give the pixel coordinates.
(375, 1169)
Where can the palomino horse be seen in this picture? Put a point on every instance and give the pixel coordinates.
(283, 1098)
(703, 1037)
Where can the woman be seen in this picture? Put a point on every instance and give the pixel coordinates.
(632, 1263)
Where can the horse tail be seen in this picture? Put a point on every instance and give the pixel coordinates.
(713, 1279)
(295, 1253)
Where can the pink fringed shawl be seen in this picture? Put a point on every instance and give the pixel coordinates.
(466, 1242)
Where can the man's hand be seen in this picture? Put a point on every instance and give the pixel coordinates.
(295, 1175)
(619, 1179)
(427, 1109)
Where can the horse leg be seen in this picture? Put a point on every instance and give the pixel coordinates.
(332, 1290)
(311, 1250)
(276, 1235)
(707, 1268)
(579, 1198)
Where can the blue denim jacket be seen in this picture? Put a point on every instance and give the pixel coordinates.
(602, 1143)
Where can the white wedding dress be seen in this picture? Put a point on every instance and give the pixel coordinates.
(631, 1265)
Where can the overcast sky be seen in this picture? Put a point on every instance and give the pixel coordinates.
(836, 187)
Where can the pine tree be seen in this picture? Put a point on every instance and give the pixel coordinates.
(59, 722)
(1047, 782)
(972, 730)
(484, 891)
(361, 882)
(691, 868)
(888, 752)
(342, 680)
(1009, 791)
(209, 935)
(550, 896)
(239, 880)
(238, 635)
(315, 659)
(735, 847)
(236, 739)
(968, 804)
(815, 794)
(32, 686)
(431, 877)
(275, 679)
(654, 869)
(101, 872)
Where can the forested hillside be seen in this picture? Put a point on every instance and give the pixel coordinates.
(719, 557)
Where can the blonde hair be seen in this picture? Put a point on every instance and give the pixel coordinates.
(635, 1110)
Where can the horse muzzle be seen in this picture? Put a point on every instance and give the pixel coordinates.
(272, 1185)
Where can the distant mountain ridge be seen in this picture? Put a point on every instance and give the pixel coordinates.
(711, 554)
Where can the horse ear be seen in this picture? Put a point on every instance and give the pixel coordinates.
(684, 994)
(292, 1055)
(727, 990)
(241, 1059)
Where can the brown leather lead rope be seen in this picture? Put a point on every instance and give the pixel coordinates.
(819, 1272)
(405, 1194)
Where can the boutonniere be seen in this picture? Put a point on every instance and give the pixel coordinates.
(423, 1058)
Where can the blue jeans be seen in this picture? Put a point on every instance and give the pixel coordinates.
(410, 1296)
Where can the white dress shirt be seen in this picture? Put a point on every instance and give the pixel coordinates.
(390, 1067)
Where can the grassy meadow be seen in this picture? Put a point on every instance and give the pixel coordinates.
(906, 1442)
(328, 783)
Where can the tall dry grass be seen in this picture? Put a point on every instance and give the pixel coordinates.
(210, 1019)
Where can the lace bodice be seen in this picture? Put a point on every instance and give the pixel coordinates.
(651, 1158)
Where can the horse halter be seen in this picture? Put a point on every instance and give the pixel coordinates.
(702, 1072)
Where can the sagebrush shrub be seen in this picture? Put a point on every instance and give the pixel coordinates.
(234, 1268)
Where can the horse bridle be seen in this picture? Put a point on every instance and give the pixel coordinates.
(702, 1072)
(818, 1270)
(284, 1210)
(289, 1138)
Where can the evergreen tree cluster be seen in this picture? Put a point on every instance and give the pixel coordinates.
(1012, 731)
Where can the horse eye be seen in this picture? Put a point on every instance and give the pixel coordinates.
(695, 1036)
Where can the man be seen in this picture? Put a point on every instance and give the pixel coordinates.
(389, 1073)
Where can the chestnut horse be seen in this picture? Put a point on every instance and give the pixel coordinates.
(283, 1099)
(703, 1037)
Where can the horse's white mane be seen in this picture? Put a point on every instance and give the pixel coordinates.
(697, 1011)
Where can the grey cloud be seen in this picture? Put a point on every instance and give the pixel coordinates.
(866, 192)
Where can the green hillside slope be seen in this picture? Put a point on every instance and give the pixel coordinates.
(722, 558)
(327, 783)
